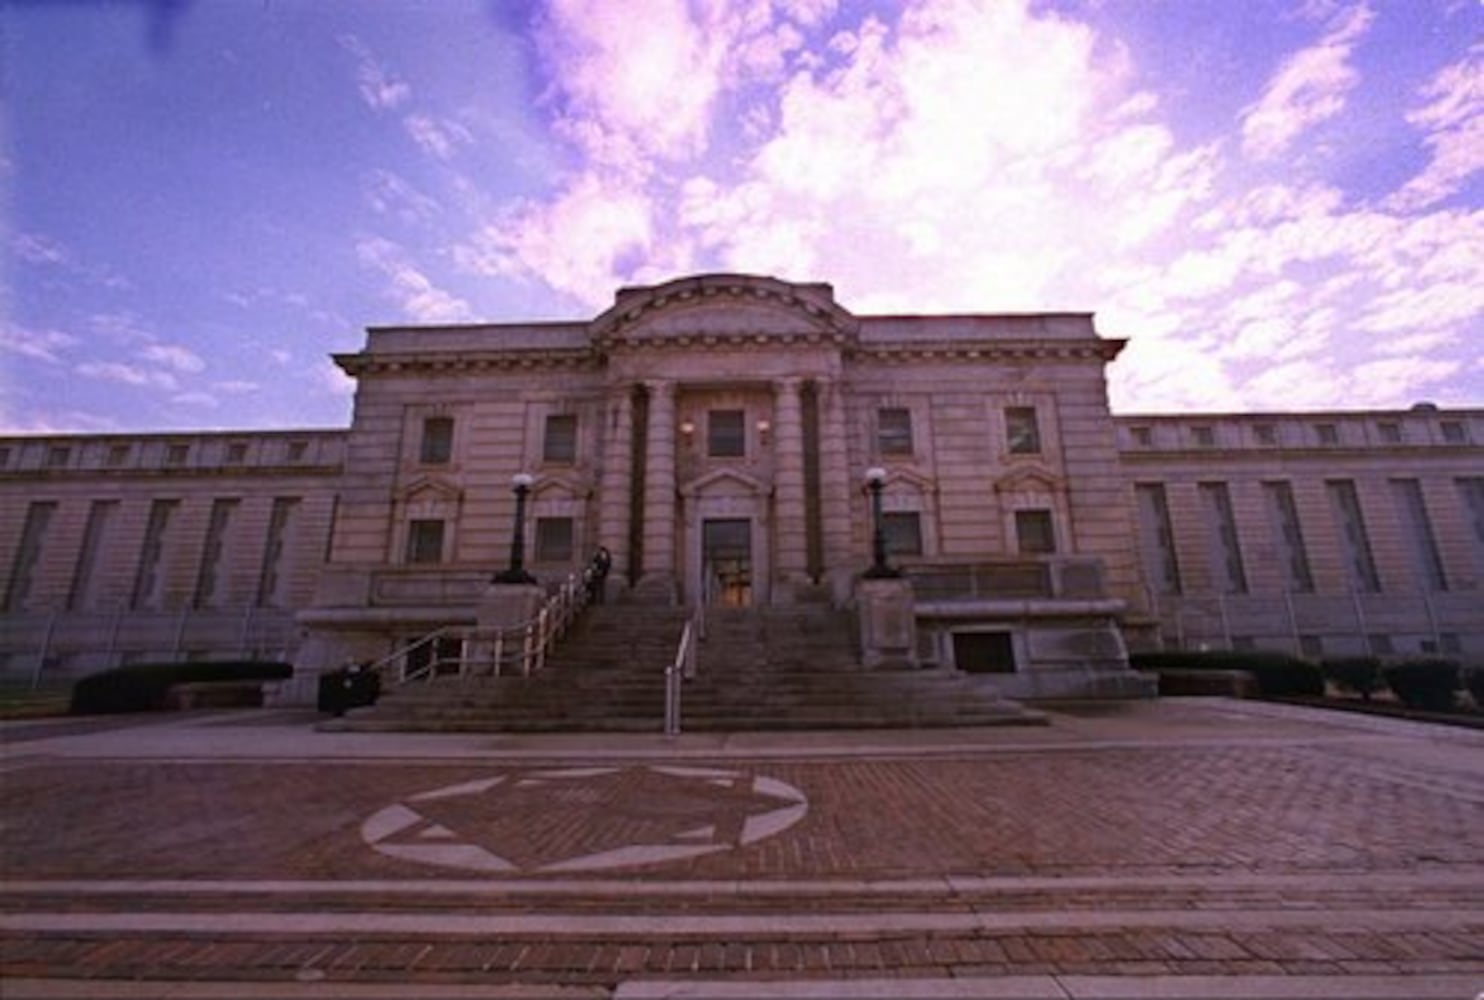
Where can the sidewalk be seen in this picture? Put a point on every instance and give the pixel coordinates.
(1203, 848)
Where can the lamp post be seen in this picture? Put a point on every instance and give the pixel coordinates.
(517, 571)
(875, 482)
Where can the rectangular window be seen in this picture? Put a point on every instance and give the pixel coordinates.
(554, 539)
(83, 594)
(149, 581)
(1356, 541)
(1034, 534)
(560, 442)
(437, 441)
(425, 541)
(1022, 432)
(1453, 432)
(1288, 536)
(1424, 542)
(118, 455)
(726, 434)
(208, 574)
(272, 580)
(1203, 436)
(1327, 433)
(176, 454)
(236, 453)
(297, 451)
(903, 530)
(1391, 433)
(1311, 646)
(1266, 434)
(1142, 436)
(28, 553)
(1471, 492)
(1157, 538)
(894, 431)
(1223, 547)
(57, 457)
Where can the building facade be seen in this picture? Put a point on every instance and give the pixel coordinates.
(714, 434)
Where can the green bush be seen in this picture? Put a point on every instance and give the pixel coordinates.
(141, 687)
(1358, 674)
(1426, 683)
(1473, 679)
(1276, 673)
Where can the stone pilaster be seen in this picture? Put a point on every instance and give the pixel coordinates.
(842, 562)
(659, 484)
(618, 476)
(788, 481)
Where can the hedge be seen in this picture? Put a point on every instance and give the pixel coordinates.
(1473, 679)
(1359, 674)
(1425, 683)
(1276, 673)
(141, 687)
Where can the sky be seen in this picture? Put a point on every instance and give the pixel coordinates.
(1276, 202)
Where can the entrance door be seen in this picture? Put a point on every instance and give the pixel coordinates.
(726, 561)
(984, 652)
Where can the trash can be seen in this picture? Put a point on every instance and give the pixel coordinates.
(349, 687)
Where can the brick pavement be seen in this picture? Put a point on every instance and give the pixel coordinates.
(1163, 844)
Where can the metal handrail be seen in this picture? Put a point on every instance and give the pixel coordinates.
(532, 638)
(682, 668)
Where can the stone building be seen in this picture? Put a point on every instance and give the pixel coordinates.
(714, 433)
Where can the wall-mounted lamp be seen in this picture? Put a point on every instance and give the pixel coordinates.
(763, 427)
(687, 427)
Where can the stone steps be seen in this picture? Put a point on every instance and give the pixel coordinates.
(759, 669)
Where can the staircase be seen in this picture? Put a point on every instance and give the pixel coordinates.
(759, 668)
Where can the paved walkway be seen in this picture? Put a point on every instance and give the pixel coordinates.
(1203, 848)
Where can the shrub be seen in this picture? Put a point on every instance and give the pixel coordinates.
(1358, 674)
(141, 687)
(1473, 679)
(1277, 673)
(1424, 683)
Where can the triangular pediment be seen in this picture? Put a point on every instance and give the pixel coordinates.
(565, 487)
(1030, 479)
(906, 481)
(723, 308)
(724, 482)
(426, 488)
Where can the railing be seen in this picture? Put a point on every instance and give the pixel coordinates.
(682, 668)
(484, 651)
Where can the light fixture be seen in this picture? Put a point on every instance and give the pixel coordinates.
(687, 427)
(875, 482)
(516, 573)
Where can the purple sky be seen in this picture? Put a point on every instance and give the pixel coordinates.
(1278, 203)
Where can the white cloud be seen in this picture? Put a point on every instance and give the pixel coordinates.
(1453, 122)
(196, 398)
(40, 345)
(175, 356)
(379, 89)
(1310, 87)
(390, 194)
(126, 374)
(34, 248)
(333, 380)
(420, 299)
(236, 386)
(438, 137)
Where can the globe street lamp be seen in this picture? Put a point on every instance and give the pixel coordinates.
(517, 572)
(875, 482)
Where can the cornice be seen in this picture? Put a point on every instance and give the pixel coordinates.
(909, 352)
(442, 363)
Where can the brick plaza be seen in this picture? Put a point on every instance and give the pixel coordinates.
(1180, 848)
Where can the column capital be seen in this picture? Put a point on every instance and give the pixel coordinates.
(788, 384)
(659, 386)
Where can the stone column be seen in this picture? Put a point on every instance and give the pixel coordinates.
(659, 484)
(618, 476)
(841, 560)
(788, 484)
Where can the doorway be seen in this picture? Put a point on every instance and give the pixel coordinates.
(726, 561)
(984, 652)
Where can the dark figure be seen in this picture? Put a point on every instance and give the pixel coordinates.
(597, 574)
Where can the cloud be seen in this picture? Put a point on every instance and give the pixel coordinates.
(421, 301)
(236, 386)
(1452, 121)
(178, 357)
(40, 345)
(333, 380)
(379, 89)
(196, 398)
(440, 137)
(1310, 87)
(126, 374)
(390, 194)
(34, 248)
